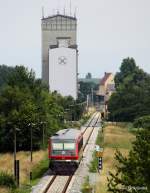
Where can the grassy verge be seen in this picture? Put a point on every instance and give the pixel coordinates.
(39, 166)
(39, 170)
(119, 137)
(86, 187)
(100, 142)
(115, 136)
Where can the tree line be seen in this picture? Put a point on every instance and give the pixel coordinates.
(25, 103)
(131, 103)
(132, 97)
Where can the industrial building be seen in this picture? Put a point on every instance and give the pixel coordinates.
(60, 54)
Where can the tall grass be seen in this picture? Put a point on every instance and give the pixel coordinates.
(39, 170)
(6, 163)
(115, 137)
(7, 180)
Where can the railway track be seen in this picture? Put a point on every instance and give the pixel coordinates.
(89, 123)
(60, 181)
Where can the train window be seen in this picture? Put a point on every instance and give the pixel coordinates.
(69, 146)
(57, 146)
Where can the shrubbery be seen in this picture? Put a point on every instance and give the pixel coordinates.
(142, 122)
(7, 180)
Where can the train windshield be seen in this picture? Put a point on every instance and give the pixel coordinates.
(57, 146)
(69, 146)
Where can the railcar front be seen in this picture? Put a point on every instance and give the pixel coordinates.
(66, 146)
(63, 150)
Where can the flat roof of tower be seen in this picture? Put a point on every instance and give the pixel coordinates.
(59, 15)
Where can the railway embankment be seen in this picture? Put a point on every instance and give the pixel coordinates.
(114, 137)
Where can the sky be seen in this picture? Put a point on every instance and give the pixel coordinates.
(108, 31)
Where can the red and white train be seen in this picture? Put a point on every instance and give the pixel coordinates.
(66, 145)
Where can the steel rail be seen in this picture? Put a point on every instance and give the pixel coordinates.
(70, 177)
(89, 122)
(91, 132)
(50, 183)
(67, 184)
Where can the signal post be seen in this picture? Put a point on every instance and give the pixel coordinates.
(99, 155)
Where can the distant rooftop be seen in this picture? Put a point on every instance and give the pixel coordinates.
(104, 79)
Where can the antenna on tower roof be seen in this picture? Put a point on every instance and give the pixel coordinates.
(75, 13)
(58, 7)
(42, 12)
(70, 6)
(64, 10)
(57, 11)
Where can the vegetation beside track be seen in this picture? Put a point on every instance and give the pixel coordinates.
(117, 136)
(25, 104)
(100, 142)
(39, 166)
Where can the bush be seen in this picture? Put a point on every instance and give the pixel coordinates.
(7, 180)
(142, 122)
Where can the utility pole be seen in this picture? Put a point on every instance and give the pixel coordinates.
(15, 152)
(31, 140)
(92, 95)
(16, 162)
(31, 145)
(43, 132)
(43, 137)
(87, 101)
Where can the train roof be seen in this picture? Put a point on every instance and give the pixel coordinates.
(67, 134)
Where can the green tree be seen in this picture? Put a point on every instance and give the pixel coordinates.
(25, 103)
(127, 68)
(17, 111)
(133, 172)
(5, 72)
(131, 99)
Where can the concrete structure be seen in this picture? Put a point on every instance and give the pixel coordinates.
(63, 71)
(60, 54)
